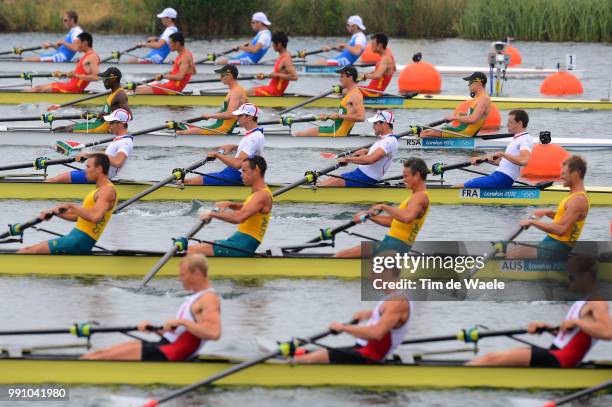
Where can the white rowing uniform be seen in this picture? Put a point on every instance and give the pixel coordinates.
(520, 141)
(377, 170)
(120, 144)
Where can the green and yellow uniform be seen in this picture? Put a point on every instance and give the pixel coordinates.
(401, 236)
(249, 235)
(340, 127)
(85, 234)
(463, 128)
(223, 126)
(558, 246)
(99, 125)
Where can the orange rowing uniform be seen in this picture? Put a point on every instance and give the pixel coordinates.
(177, 86)
(277, 86)
(379, 84)
(75, 85)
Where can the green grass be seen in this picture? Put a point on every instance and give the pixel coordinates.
(536, 20)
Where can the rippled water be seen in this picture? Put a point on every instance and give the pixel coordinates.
(278, 309)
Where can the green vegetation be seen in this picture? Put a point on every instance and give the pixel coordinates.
(537, 20)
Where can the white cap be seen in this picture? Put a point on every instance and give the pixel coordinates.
(386, 116)
(168, 12)
(119, 115)
(356, 20)
(261, 17)
(248, 108)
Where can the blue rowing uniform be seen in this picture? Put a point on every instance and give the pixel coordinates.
(357, 179)
(264, 37)
(228, 177)
(158, 55)
(495, 180)
(345, 58)
(63, 53)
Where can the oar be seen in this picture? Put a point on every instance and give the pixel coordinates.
(117, 54)
(177, 174)
(177, 245)
(129, 86)
(311, 176)
(284, 349)
(240, 78)
(471, 335)
(83, 330)
(440, 168)
(27, 75)
(19, 51)
(288, 121)
(212, 57)
(304, 54)
(18, 228)
(335, 89)
(329, 234)
(578, 394)
(49, 117)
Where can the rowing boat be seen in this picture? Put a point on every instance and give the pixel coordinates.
(135, 264)
(16, 65)
(438, 195)
(424, 101)
(41, 136)
(441, 374)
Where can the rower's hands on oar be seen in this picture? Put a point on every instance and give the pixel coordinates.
(336, 328)
(172, 324)
(159, 77)
(359, 216)
(540, 327)
(145, 327)
(261, 76)
(362, 315)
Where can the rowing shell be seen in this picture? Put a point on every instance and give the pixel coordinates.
(390, 102)
(40, 136)
(15, 65)
(439, 374)
(438, 195)
(134, 264)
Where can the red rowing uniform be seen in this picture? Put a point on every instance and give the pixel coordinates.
(177, 86)
(183, 344)
(75, 85)
(277, 86)
(380, 349)
(379, 84)
(570, 347)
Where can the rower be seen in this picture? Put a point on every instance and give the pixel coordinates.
(225, 120)
(160, 46)
(283, 72)
(183, 68)
(468, 124)
(373, 162)
(118, 99)
(91, 218)
(568, 219)
(404, 222)
(251, 144)
(86, 70)
(352, 50)
(384, 70)
(117, 150)
(386, 327)
(252, 216)
(254, 50)
(197, 321)
(67, 47)
(586, 321)
(350, 112)
(515, 156)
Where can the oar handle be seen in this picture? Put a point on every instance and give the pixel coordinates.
(18, 228)
(440, 168)
(472, 335)
(330, 234)
(117, 54)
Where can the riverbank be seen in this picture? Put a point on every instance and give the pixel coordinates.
(534, 20)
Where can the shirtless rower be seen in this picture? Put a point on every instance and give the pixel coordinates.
(179, 76)
(283, 72)
(351, 109)
(252, 216)
(468, 124)
(384, 70)
(225, 120)
(86, 70)
(197, 321)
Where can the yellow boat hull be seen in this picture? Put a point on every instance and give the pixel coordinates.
(599, 196)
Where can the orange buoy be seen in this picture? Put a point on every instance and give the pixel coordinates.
(369, 56)
(515, 56)
(545, 161)
(561, 83)
(420, 77)
(493, 121)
